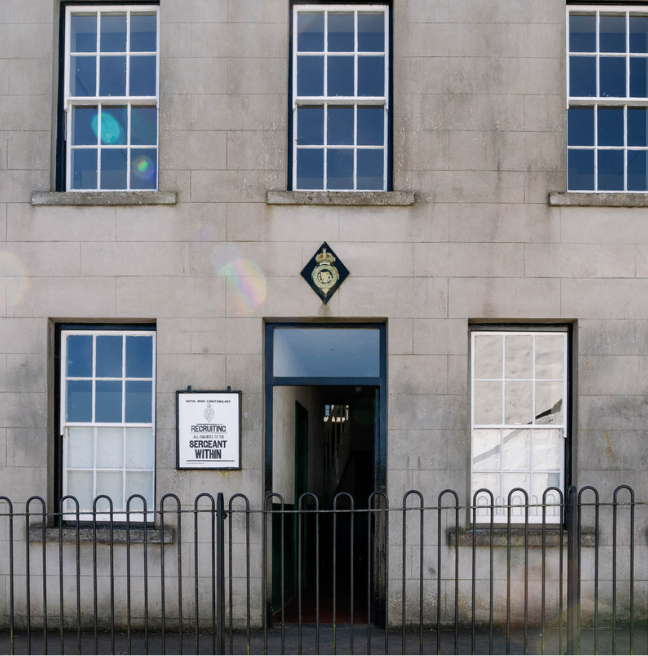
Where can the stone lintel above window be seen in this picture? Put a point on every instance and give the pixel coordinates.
(104, 198)
(384, 198)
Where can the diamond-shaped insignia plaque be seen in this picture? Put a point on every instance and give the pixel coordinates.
(325, 272)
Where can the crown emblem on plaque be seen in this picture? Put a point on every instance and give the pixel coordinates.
(325, 257)
(325, 272)
(208, 413)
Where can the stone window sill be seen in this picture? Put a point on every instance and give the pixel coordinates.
(86, 534)
(375, 198)
(621, 199)
(110, 198)
(500, 536)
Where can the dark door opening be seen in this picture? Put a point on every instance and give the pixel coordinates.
(327, 450)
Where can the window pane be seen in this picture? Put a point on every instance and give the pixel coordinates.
(78, 403)
(84, 126)
(310, 31)
(516, 448)
(371, 167)
(80, 448)
(143, 168)
(140, 448)
(340, 126)
(110, 448)
(637, 171)
(108, 401)
(541, 482)
(139, 356)
(638, 33)
(83, 76)
(110, 484)
(489, 482)
(519, 408)
(488, 356)
(509, 483)
(324, 352)
(613, 33)
(140, 483)
(547, 450)
(582, 76)
(580, 170)
(113, 33)
(143, 76)
(109, 356)
(83, 33)
(114, 125)
(613, 76)
(610, 126)
(582, 33)
(488, 402)
(610, 170)
(84, 169)
(112, 71)
(144, 126)
(340, 32)
(113, 168)
(638, 77)
(310, 169)
(310, 76)
(371, 76)
(310, 126)
(486, 450)
(549, 356)
(80, 484)
(339, 168)
(143, 36)
(371, 126)
(637, 122)
(79, 356)
(580, 128)
(139, 402)
(519, 362)
(371, 32)
(548, 401)
(340, 76)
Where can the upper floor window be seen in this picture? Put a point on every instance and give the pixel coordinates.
(111, 97)
(519, 419)
(340, 97)
(608, 99)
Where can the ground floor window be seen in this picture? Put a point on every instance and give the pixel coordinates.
(519, 417)
(107, 418)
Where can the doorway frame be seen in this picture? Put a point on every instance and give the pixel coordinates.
(271, 381)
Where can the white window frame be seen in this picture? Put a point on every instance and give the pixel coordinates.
(66, 425)
(606, 101)
(518, 514)
(351, 101)
(70, 102)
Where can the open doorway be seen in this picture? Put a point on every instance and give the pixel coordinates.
(325, 444)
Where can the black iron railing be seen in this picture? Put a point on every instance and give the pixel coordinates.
(554, 575)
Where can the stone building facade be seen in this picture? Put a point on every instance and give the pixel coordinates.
(475, 227)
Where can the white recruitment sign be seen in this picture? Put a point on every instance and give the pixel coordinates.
(209, 430)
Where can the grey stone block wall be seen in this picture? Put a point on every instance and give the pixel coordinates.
(479, 136)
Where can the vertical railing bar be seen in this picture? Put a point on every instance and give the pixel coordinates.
(247, 567)
(544, 574)
(334, 563)
(44, 552)
(145, 556)
(299, 578)
(456, 582)
(231, 575)
(404, 587)
(78, 576)
(369, 518)
(212, 513)
(561, 550)
(421, 570)
(526, 576)
(162, 584)
(179, 573)
(404, 609)
(11, 576)
(128, 576)
(508, 575)
(180, 614)
(632, 513)
(112, 575)
(474, 568)
(196, 565)
(61, 599)
(265, 513)
(220, 566)
(572, 569)
(596, 573)
(94, 578)
(351, 575)
(614, 569)
(27, 580)
(491, 573)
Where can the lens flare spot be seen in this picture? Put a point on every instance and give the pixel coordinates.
(246, 282)
(143, 167)
(112, 133)
(15, 270)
